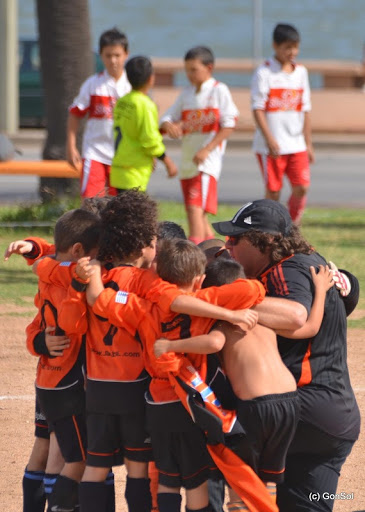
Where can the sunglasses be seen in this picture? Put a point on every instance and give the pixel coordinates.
(233, 240)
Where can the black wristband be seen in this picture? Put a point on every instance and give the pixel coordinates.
(79, 287)
(34, 253)
(162, 157)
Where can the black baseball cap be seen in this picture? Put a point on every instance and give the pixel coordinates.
(263, 215)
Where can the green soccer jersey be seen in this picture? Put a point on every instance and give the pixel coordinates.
(137, 141)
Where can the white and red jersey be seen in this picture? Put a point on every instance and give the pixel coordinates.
(97, 97)
(284, 97)
(202, 115)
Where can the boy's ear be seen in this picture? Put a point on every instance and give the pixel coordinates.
(198, 281)
(78, 250)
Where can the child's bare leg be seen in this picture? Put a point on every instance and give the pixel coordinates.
(73, 470)
(272, 194)
(208, 230)
(196, 223)
(94, 474)
(297, 202)
(55, 460)
(198, 498)
(38, 457)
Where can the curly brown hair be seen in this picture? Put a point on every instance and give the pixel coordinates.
(129, 224)
(279, 246)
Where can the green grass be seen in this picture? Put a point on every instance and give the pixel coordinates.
(338, 234)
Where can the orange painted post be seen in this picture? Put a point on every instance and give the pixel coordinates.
(44, 168)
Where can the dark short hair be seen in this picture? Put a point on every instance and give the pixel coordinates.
(77, 226)
(222, 271)
(284, 32)
(129, 224)
(203, 53)
(95, 204)
(139, 70)
(113, 37)
(168, 230)
(180, 261)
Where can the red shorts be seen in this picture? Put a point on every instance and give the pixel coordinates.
(294, 165)
(95, 179)
(201, 191)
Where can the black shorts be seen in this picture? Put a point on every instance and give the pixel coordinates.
(313, 467)
(111, 437)
(179, 446)
(40, 423)
(71, 437)
(269, 423)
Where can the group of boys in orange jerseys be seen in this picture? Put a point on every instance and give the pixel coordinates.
(112, 394)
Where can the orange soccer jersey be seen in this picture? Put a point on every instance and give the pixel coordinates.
(153, 322)
(53, 372)
(112, 353)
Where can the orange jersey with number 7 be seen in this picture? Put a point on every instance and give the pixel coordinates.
(152, 322)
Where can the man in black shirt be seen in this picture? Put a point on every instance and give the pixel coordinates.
(270, 248)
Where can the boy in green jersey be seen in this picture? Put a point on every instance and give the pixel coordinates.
(137, 138)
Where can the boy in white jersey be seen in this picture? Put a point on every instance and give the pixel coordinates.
(204, 115)
(280, 101)
(96, 99)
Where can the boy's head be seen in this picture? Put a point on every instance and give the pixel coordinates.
(168, 230)
(199, 63)
(129, 227)
(286, 41)
(222, 271)
(113, 49)
(77, 231)
(181, 262)
(139, 72)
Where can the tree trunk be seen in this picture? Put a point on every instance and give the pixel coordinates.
(66, 58)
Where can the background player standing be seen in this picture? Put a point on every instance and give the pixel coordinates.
(96, 99)
(204, 115)
(138, 140)
(280, 101)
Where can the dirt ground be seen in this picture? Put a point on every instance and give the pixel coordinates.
(17, 372)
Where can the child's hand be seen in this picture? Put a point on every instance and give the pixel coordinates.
(55, 344)
(18, 247)
(246, 318)
(170, 167)
(84, 269)
(310, 152)
(73, 157)
(173, 130)
(273, 147)
(161, 346)
(200, 156)
(323, 279)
